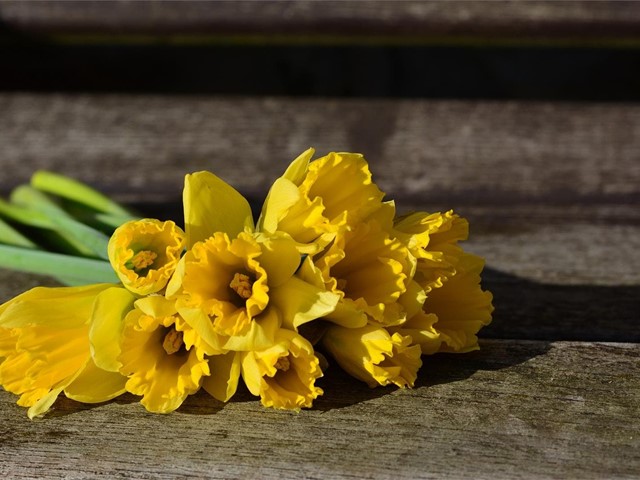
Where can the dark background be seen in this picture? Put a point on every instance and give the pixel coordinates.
(578, 51)
(541, 73)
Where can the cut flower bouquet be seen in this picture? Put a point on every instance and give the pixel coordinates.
(163, 312)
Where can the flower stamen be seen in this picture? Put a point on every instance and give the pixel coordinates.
(141, 260)
(242, 285)
(172, 342)
(283, 364)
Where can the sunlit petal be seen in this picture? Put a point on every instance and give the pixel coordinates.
(212, 205)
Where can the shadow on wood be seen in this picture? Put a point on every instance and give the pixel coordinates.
(539, 311)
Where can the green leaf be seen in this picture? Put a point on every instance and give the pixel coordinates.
(88, 241)
(10, 236)
(75, 269)
(68, 188)
(24, 216)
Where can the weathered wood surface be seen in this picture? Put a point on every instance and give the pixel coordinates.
(578, 156)
(512, 410)
(552, 193)
(427, 20)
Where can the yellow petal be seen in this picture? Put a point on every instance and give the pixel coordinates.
(281, 197)
(203, 326)
(95, 385)
(156, 306)
(43, 404)
(413, 299)
(300, 302)
(280, 257)
(251, 372)
(260, 335)
(61, 307)
(211, 205)
(420, 328)
(373, 355)
(298, 168)
(175, 283)
(225, 373)
(109, 311)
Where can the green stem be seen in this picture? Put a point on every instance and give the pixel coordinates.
(25, 216)
(70, 269)
(73, 190)
(10, 236)
(88, 241)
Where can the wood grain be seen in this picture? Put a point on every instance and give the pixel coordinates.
(445, 152)
(512, 410)
(517, 21)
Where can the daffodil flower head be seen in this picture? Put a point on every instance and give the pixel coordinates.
(433, 240)
(224, 278)
(314, 200)
(46, 348)
(144, 254)
(160, 355)
(373, 355)
(370, 270)
(461, 307)
(344, 183)
(284, 374)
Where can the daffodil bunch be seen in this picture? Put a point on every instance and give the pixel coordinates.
(328, 267)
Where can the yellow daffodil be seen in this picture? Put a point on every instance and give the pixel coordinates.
(313, 200)
(461, 307)
(373, 355)
(47, 349)
(224, 278)
(232, 281)
(160, 355)
(226, 299)
(369, 270)
(284, 374)
(144, 254)
(433, 240)
(420, 327)
(455, 307)
(343, 182)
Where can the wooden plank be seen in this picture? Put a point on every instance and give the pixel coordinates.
(512, 410)
(333, 20)
(450, 153)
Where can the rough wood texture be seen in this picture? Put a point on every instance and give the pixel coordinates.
(552, 193)
(519, 21)
(447, 152)
(512, 410)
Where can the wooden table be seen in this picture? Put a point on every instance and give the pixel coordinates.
(552, 193)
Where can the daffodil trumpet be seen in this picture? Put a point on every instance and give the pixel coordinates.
(163, 312)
